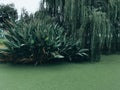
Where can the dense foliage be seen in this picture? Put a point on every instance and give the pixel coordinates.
(7, 12)
(96, 22)
(40, 42)
(61, 29)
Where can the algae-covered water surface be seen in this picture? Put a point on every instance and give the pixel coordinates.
(104, 75)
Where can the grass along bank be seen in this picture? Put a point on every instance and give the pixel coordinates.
(104, 75)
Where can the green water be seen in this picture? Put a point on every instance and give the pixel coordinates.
(104, 75)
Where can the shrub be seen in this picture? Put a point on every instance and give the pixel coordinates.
(38, 42)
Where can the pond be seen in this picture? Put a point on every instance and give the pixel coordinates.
(104, 75)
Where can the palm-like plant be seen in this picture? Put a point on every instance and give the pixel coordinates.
(39, 42)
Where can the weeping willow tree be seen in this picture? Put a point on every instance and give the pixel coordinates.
(95, 22)
(113, 13)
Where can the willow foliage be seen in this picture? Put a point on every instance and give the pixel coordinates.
(95, 22)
